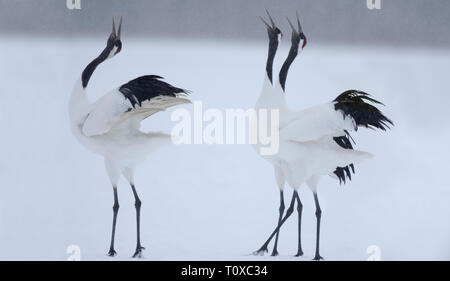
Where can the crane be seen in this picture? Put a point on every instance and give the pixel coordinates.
(110, 126)
(314, 142)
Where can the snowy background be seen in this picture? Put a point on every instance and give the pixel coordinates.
(220, 202)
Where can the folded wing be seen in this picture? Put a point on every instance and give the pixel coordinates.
(128, 105)
(316, 122)
(332, 122)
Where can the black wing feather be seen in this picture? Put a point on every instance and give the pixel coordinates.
(341, 172)
(352, 103)
(147, 87)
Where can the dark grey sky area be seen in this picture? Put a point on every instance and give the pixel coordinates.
(398, 22)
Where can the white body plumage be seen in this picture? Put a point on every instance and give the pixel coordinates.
(312, 142)
(307, 149)
(108, 127)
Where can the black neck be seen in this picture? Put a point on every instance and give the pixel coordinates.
(87, 72)
(287, 63)
(273, 45)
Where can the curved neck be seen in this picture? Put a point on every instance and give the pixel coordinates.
(78, 104)
(287, 63)
(87, 72)
(273, 45)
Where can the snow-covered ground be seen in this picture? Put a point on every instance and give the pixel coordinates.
(215, 202)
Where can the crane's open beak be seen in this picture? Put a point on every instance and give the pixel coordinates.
(117, 35)
(273, 26)
(299, 32)
(120, 28)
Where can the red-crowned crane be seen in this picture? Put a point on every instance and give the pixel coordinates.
(314, 142)
(110, 126)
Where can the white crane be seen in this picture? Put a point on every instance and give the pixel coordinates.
(110, 126)
(314, 142)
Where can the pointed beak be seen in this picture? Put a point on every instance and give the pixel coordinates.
(113, 27)
(120, 28)
(117, 35)
(270, 18)
(304, 42)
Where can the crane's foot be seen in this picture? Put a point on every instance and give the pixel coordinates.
(138, 253)
(261, 251)
(274, 253)
(112, 253)
(317, 258)
(299, 253)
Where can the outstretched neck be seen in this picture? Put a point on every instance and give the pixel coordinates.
(90, 68)
(273, 45)
(79, 103)
(287, 63)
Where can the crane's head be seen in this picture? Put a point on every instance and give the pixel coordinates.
(114, 44)
(297, 35)
(272, 30)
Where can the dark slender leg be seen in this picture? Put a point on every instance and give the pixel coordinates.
(299, 211)
(318, 216)
(112, 252)
(289, 212)
(281, 209)
(137, 204)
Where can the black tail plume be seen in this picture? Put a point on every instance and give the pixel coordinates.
(353, 103)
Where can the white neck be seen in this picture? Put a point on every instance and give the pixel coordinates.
(271, 96)
(79, 104)
(79, 108)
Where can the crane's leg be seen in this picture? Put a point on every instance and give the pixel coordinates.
(299, 211)
(112, 252)
(281, 210)
(289, 212)
(318, 216)
(137, 204)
